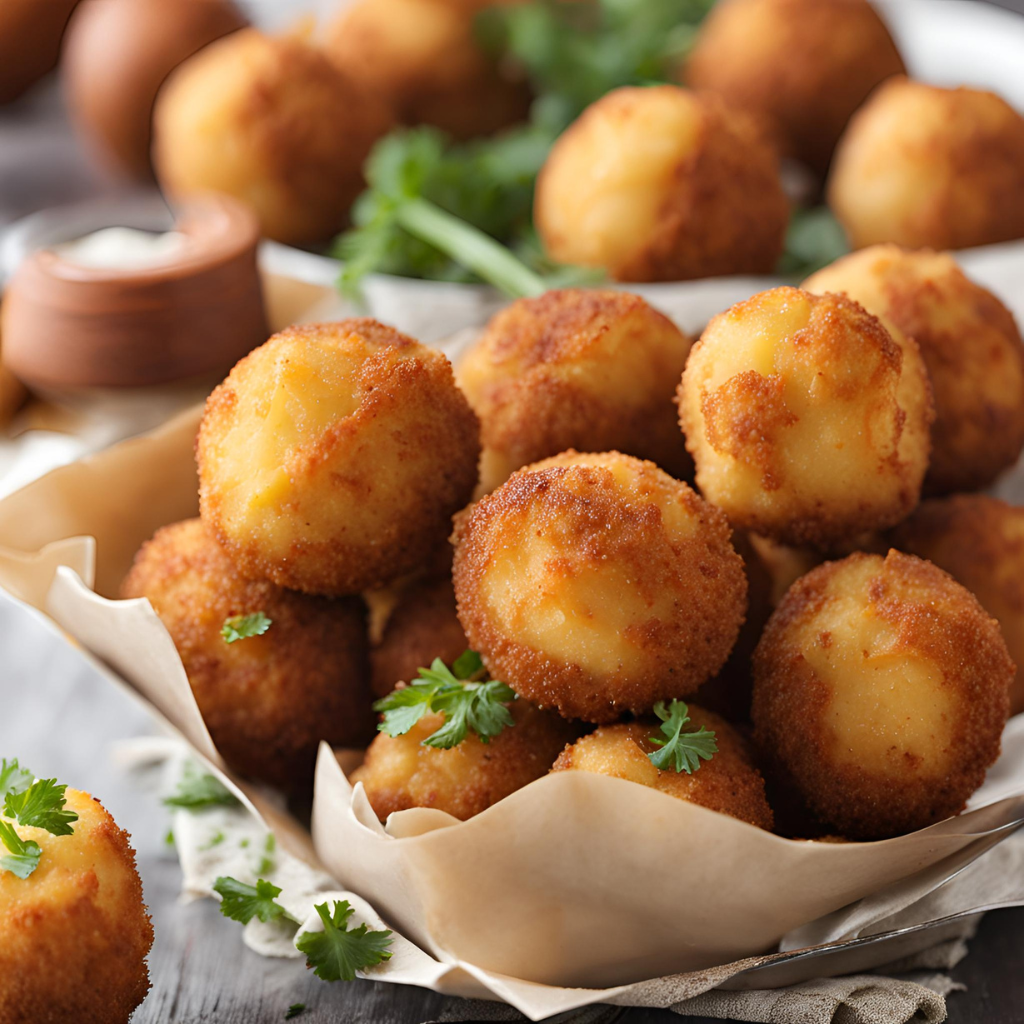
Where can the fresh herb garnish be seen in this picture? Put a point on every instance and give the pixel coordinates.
(294, 1010)
(240, 627)
(13, 778)
(242, 902)
(267, 861)
(459, 694)
(41, 805)
(814, 239)
(199, 789)
(336, 953)
(681, 751)
(22, 857)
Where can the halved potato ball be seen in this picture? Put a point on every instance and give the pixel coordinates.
(979, 541)
(807, 419)
(881, 688)
(587, 369)
(802, 67)
(74, 935)
(662, 184)
(273, 122)
(598, 584)
(423, 58)
(267, 700)
(332, 457)
(728, 783)
(924, 166)
(399, 772)
(971, 348)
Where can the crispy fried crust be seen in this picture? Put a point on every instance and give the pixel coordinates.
(661, 184)
(979, 541)
(971, 347)
(802, 67)
(74, 935)
(598, 584)
(728, 783)
(576, 368)
(332, 457)
(881, 688)
(924, 166)
(399, 772)
(807, 419)
(267, 700)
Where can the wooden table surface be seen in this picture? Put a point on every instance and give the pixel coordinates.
(61, 719)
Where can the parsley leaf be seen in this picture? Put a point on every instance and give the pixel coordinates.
(457, 693)
(681, 750)
(336, 953)
(294, 1010)
(242, 902)
(814, 239)
(13, 778)
(41, 806)
(239, 627)
(199, 789)
(23, 855)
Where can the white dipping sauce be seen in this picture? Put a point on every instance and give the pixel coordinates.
(122, 249)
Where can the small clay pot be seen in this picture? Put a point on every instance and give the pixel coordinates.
(70, 326)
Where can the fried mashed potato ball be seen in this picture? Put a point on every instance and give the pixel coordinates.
(575, 368)
(924, 166)
(806, 418)
(273, 122)
(399, 772)
(332, 457)
(881, 688)
(598, 584)
(662, 184)
(423, 58)
(728, 783)
(267, 700)
(971, 348)
(802, 67)
(979, 541)
(74, 935)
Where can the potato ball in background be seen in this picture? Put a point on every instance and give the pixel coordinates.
(332, 457)
(423, 58)
(267, 700)
(400, 772)
(971, 348)
(807, 419)
(598, 584)
(802, 67)
(924, 166)
(728, 783)
(29, 42)
(273, 122)
(783, 564)
(979, 541)
(575, 368)
(74, 935)
(662, 184)
(881, 688)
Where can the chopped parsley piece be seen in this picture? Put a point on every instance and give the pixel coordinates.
(459, 694)
(22, 857)
(681, 751)
(41, 805)
(200, 789)
(215, 840)
(294, 1010)
(13, 778)
(242, 902)
(239, 627)
(336, 953)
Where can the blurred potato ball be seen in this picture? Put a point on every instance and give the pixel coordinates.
(423, 58)
(802, 67)
(575, 368)
(971, 348)
(74, 935)
(924, 166)
(728, 783)
(662, 184)
(267, 700)
(400, 772)
(979, 541)
(598, 584)
(881, 688)
(333, 456)
(273, 122)
(807, 419)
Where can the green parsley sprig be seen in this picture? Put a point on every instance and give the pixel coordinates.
(461, 694)
(240, 627)
(197, 790)
(14, 778)
(681, 750)
(295, 1010)
(242, 902)
(22, 856)
(41, 805)
(336, 953)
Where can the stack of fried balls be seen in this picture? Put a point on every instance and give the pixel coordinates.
(771, 565)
